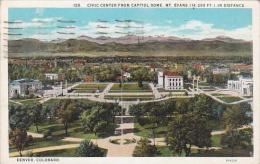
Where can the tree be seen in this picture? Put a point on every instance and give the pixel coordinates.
(88, 149)
(100, 127)
(19, 117)
(202, 104)
(137, 111)
(18, 137)
(157, 114)
(98, 119)
(50, 111)
(89, 119)
(140, 75)
(188, 129)
(246, 136)
(35, 112)
(234, 117)
(238, 138)
(66, 113)
(144, 149)
(72, 75)
(179, 136)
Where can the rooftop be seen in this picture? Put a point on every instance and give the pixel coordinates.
(25, 80)
(169, 73)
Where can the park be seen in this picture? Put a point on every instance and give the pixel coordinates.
(120, 119)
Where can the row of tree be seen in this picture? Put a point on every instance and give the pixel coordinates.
(188, 122)
(95, 117)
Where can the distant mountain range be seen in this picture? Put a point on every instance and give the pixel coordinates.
(131, 45)
(132, 39)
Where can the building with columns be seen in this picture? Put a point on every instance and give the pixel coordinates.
(244, 86)
(24, 87)
(170, 80)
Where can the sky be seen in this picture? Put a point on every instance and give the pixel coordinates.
(43, 24)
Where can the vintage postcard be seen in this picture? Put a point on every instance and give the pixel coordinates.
(118, 81)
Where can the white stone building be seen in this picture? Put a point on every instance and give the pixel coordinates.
(220, 70)
(51, 76)
(23, 87)
(170, 80)
(244, 86)
(52, 91)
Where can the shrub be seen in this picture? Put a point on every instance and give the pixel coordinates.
(88, 149)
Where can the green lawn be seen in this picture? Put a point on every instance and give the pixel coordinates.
(218, 94)
(230, 99)
(164, 151)
(146, 130)
(57, 129)
(85, 91)
(215, 140)
(247, 97)
(177, 94)
(130, 87)
(42, 142)
(58, 153)
(204, 84)
(30, 101)
(221, 153)
(26, 101)
(57, 101)
(62, 153)
(89, 87)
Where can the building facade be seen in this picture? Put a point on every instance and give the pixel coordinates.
(220, 70)
(52, 91)
(244, 86)
(23, 87)
(51, 76)
(170, 80)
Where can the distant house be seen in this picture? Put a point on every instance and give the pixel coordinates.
(126, 75)
(51, 76)
(243, 85)
(242, 67)
(199, 67)
(154, 68)
(223, 70)
(24, 87)
(79, 63)
(170, 80)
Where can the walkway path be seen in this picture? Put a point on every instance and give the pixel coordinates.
(106, 90)
(45, 99)
(156, 93)
(223, 102)
(16, 102)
